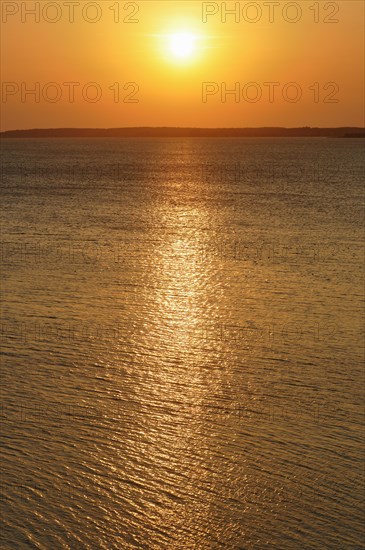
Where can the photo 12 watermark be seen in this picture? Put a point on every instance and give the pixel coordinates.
(69, 92)
(70, 12)
(270, 92)
(270, 12)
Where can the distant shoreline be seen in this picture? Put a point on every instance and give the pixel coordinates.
(343, 132)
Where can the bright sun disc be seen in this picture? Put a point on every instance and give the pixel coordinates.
(182, 45)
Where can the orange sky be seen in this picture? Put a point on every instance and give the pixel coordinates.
(228, 54)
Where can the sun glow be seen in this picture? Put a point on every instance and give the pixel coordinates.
(182, 45)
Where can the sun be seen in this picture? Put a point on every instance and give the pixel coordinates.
(182, 45)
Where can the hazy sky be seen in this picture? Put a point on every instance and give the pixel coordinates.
(172, 62)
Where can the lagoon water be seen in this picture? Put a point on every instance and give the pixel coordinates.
(182, 356)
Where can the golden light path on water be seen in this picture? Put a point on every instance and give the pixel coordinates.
(179, 378)
(179, 283)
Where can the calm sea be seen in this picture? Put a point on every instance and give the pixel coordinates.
(182, 356)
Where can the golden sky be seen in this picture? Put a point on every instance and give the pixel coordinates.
(172, 62)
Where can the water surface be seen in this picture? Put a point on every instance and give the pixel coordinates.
(182, 331)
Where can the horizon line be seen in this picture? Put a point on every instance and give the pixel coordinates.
(188, 132)
(181, 128)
